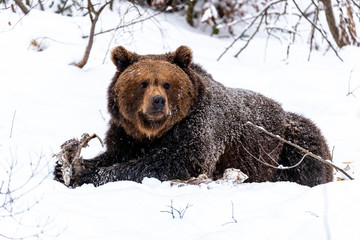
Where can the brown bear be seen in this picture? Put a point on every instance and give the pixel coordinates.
(171, 120)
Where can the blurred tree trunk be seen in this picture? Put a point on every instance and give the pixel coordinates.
(330, 18)
(343, 33)
(22, 6)
(190, 12)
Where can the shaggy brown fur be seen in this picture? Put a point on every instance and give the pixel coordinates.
(171, 120)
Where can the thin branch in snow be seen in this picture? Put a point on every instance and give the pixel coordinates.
(180, 212)
(306, 152)
(232, 215)
(12, 124)
(101, 114)
(351, 92)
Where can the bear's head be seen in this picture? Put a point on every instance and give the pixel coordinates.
(151, 93)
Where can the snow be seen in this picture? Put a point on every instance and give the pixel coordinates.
(44, 100)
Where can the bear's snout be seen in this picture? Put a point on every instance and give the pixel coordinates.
(158, 102)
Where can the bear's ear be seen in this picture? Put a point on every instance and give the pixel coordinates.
(122, 58)
(183, 56)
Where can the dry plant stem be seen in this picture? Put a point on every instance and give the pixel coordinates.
(300, 148)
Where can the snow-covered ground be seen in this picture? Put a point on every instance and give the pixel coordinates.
(44, 100)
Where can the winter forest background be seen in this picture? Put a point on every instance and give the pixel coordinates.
(54, 72)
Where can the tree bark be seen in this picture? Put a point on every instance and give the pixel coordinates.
(334, 30)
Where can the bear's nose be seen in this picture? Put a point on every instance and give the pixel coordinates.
(158, 102)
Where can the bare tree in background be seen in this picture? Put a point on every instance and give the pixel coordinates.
(267, 17)
(244, 19)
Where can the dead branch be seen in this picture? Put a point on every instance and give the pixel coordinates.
(180, 212)
(125, 25)
(252, 36)
(260, 14)
(12, 124)
(86, 139)
(234, 220)
(94, 20)
(306, 152)
(345, 31)
(351, 92)
(312, 33)
(323, 34)
(280, 167)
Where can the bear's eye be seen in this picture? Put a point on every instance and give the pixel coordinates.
(166, 85)
(144, 84)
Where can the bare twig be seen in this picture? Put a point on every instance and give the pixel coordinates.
(251, 37)
(260, 14)
(280, 167)
(62, 9)
(180, 212)
(232, 215)
(317, 28)
(12, 124)
(312, 33)
(124, 26)
(94, 20)
(102, 116)
(351, 92)
(306, 152)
